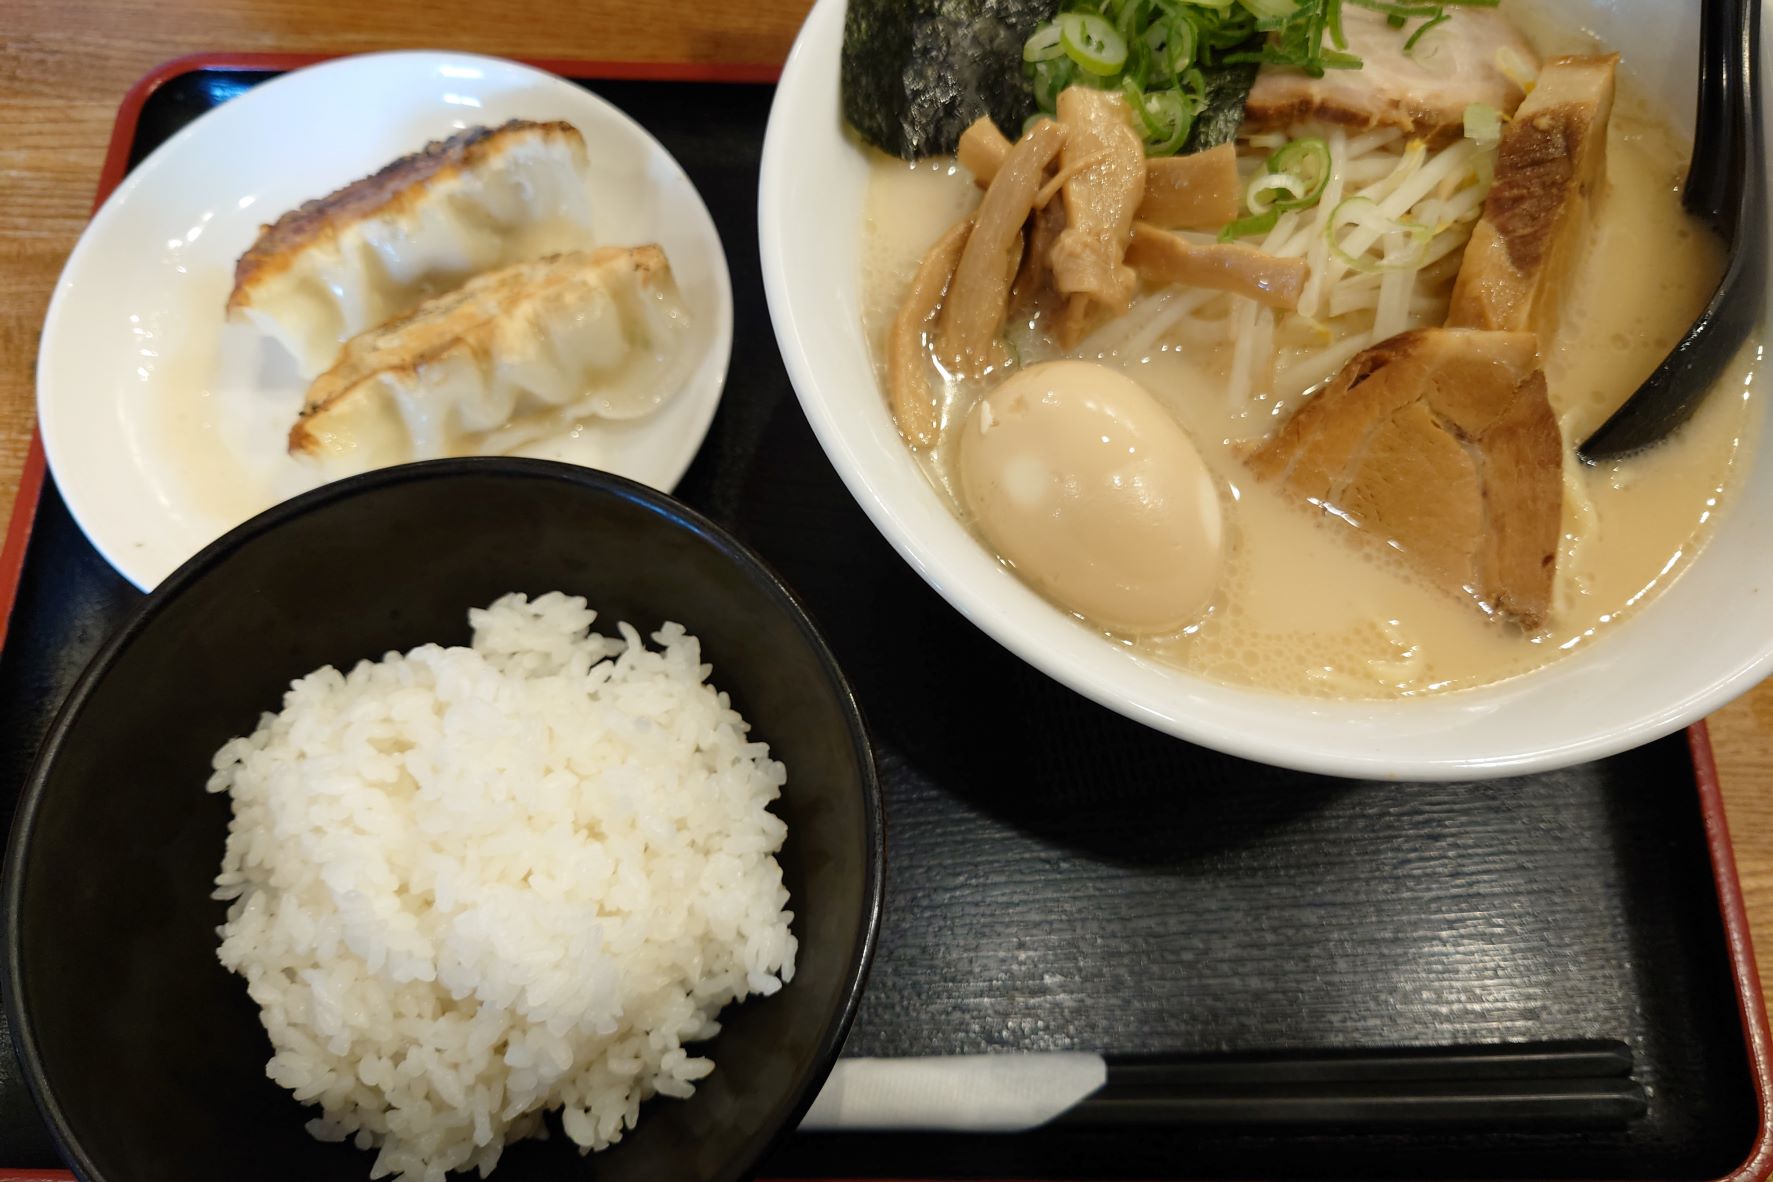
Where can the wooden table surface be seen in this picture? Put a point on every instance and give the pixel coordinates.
(65, 64)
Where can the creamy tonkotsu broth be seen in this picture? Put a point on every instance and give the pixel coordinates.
(1304, 608)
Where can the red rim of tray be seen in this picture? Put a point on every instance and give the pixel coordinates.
(1751, 1005)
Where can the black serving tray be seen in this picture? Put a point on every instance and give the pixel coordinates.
(1063, 878)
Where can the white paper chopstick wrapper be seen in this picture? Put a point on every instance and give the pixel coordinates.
(968, 1093)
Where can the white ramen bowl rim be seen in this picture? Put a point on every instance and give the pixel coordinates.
(1705, 639)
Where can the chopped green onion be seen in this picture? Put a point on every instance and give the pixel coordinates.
(1308, 159)
(1164, 117)
(1483, 125)
(1264, 10)
(1297, 29)
(1257, 195)
(1260, 223)
(1399, 12)
(1043, 44)
(1092, 43)
(1173, 44)
(1153, 51)
(1136, 103)
(1195, 83)
(1292, 178)
(1167, 120)
(1439, 18)
(1132, 17)
(1050, 78)
(1405, 242)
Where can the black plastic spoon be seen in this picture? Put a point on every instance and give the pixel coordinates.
(1727, 189)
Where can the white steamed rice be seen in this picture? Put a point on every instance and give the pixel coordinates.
(470, 885)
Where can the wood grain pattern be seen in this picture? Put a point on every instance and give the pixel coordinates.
(65, 64)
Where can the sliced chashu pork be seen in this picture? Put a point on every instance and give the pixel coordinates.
(1424, 92)
(1550, 168)
(1440, 441)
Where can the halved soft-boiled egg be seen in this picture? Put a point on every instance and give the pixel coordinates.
(1095, 496)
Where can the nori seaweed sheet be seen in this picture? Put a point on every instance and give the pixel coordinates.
(1227, 88)
(917, 72)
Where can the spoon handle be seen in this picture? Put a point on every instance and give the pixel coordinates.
(1715, 171)
(1726, 187)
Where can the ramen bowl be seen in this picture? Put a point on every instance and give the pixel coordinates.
(1703, 640)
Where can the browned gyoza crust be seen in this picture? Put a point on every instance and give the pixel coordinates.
(458, 320)
(388, 191)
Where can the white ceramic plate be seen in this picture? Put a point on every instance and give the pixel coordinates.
(164, 425)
